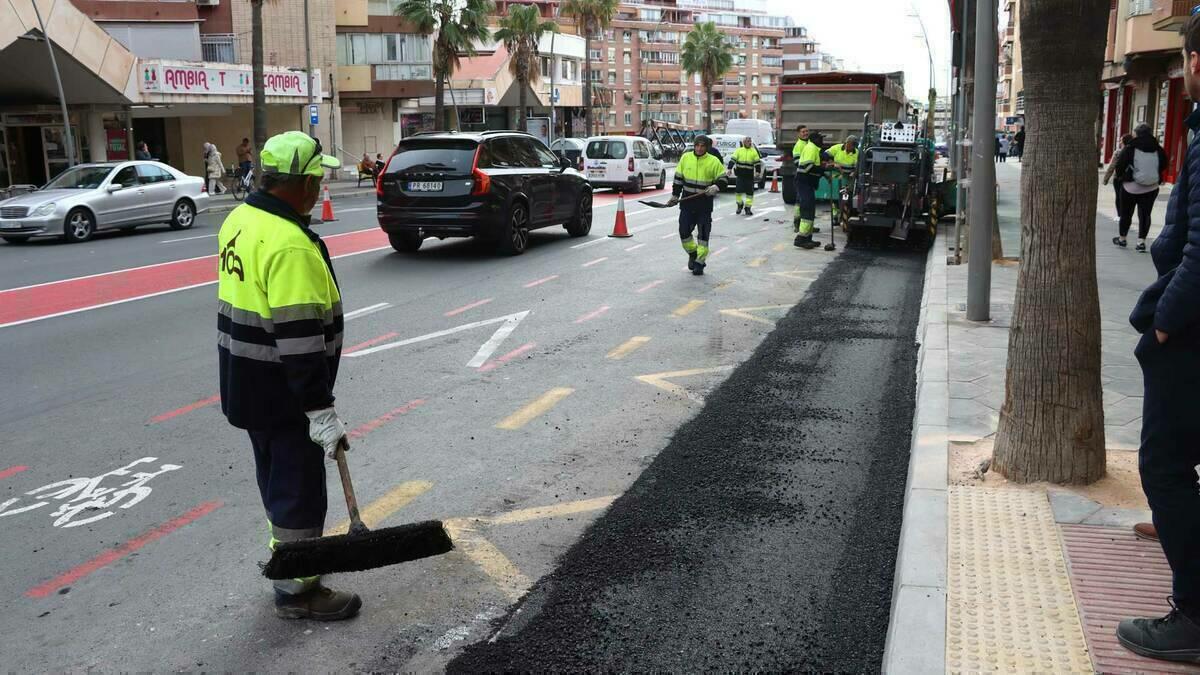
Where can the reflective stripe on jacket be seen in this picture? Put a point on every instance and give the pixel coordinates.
(279, 315)
(695, 174)
(746, 161)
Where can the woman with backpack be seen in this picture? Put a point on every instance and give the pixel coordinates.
(1140, 166)
(1112, 169)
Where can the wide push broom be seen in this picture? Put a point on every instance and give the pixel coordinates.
(359, 549)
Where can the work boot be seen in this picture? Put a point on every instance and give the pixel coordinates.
(749, 212)
(1174, 637)
(739, 211)
(692, 260)
(317, 603)
(698, 270)
(1145, 531)
(805, 241)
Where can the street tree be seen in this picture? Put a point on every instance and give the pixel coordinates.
(1052, 420)
(706, 51)
(456, 27)
(592, 17)
(520, 31)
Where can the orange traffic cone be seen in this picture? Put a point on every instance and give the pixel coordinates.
(775, 183)
(619, 229)
(327, 207)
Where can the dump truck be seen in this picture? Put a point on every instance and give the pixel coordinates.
(834, 103)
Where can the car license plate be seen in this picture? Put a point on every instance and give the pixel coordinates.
(596, 172)
(425, 186)
(9, 225)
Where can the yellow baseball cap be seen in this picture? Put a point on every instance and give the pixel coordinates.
(297, 154)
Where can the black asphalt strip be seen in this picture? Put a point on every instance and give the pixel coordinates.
(763, 537)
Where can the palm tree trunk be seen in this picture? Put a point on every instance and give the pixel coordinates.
(708, 94)
(1052, 420)
(439, 105)
(523, 82)
(587, 81)
(259, 108)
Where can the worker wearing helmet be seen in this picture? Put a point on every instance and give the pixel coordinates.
(746, 164)
(698, 178)
(279, 340)
(845, 161)
(808, 176)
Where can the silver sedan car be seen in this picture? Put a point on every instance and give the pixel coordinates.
(113, 195)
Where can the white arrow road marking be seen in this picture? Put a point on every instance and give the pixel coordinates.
(370, 309)
(509, 324)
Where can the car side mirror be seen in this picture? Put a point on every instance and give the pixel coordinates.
(114, 187)
(564, 163)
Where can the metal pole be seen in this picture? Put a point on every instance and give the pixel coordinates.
(333, 106)
(983, 171)
(312, 128)
(553, 69)
(960, 130)
(62, 98)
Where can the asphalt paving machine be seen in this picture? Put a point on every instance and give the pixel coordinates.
(893, 188)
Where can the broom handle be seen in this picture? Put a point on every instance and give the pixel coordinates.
(348, 487)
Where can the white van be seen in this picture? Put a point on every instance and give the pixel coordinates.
(760, 131)
(625, 162)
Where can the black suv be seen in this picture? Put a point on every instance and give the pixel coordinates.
(496, 185)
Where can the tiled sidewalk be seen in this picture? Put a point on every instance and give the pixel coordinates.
(1035, 576)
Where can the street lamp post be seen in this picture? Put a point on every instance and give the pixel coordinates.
(312, 128)
(68, 140)
(932, 90)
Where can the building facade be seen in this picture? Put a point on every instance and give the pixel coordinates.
(174, 75)
(1143, 76)
(1010, 86)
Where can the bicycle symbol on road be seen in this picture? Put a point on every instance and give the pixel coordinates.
(83, 496)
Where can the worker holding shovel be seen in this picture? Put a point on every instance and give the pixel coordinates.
(279, 341)
(698, 179)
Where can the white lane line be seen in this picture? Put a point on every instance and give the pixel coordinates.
(485, 352)
(370, 309)
(741, 239)
(199, 236)
(668, 235)
(634, 248)
(597, 261)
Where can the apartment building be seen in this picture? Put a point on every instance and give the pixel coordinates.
(1143, 75)
(1010, 87)
(942, 113)
(172, 74)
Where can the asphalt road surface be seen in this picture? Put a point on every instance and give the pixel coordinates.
(515, 398)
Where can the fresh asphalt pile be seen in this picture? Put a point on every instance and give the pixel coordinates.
(764, 535)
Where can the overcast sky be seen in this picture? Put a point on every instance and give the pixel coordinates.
(879, 36)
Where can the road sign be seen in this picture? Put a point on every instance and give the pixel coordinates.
(555, 95)
(314, 114)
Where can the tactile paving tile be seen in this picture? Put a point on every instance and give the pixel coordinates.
(1115, 576)
(1009, 606)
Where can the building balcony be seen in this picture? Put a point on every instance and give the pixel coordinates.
(1172, 14)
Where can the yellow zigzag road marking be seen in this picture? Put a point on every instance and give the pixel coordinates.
(378, 511)
(628, 347)
(660, 380)
(534, 408)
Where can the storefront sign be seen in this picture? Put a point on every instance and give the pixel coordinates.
(159, 78)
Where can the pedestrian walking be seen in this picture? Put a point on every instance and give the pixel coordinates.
(1168, 317)
(808, 177)
(279, 340)
(698, 178)
(746, 164)
(214, 170)
(1140, 168)
(1109, 173)
(1019, 144)
(1002, 145)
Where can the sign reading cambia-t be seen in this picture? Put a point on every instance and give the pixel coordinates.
(162, 78)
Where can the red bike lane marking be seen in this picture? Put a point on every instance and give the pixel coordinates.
(204, 403)
(383, 419)
(114, 554)
(13, 470)
(59, 298)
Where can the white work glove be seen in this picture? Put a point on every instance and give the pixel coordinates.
(325, 429)
(712, 190)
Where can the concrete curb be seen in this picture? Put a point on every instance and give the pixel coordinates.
(916, 639)
(226, 206)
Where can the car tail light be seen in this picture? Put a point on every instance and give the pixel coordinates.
(580, 163)
(379, 178)
(204, 186)
(632, 168)
(483, 182)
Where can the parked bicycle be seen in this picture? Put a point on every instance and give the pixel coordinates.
(243, 184)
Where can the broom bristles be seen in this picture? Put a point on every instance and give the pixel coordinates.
(354, 553)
